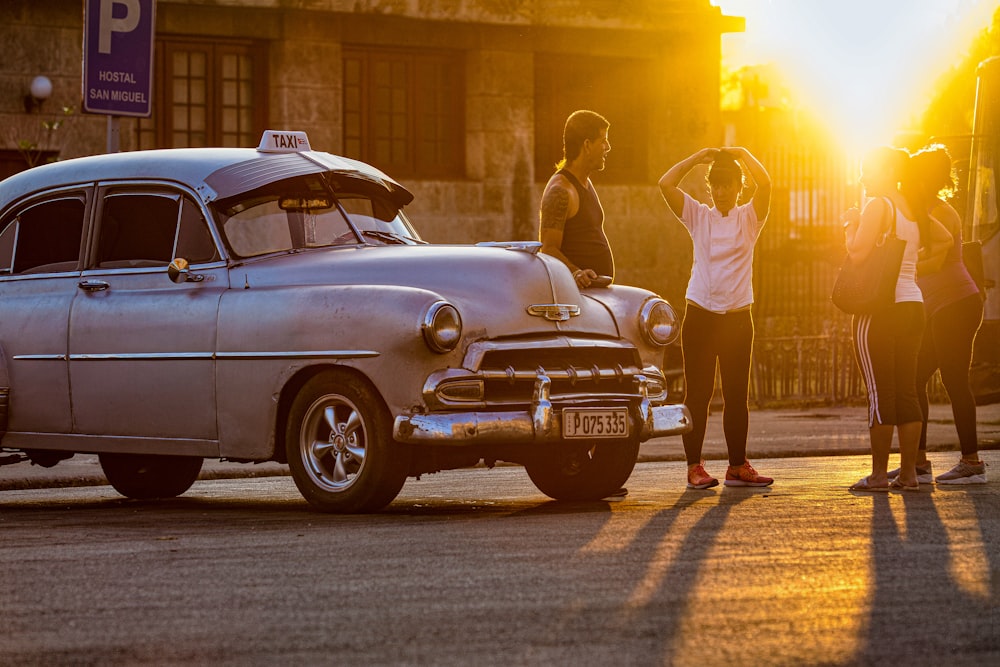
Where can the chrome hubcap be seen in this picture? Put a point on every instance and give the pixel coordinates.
(333, 442)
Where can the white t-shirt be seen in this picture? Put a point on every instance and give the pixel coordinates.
(721, 276)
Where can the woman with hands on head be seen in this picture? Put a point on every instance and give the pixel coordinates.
(718, 325)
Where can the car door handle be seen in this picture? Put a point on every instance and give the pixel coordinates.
(93, 285)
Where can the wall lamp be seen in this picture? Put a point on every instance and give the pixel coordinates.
(41, 90)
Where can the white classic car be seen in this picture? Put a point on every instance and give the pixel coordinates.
(162, 307)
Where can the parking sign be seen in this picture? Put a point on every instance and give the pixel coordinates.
(118, 56)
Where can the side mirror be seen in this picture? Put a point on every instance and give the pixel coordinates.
(179, 272)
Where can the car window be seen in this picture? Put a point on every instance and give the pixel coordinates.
(7, 237)
(194, 240)
(378, 220)
(137, 230)
(142, 229)
(363, 214)
(264, 227)
(43, 237)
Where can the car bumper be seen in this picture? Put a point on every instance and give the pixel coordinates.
(541, 423)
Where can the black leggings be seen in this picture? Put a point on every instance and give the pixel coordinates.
(947, 345)
(886, 346)
(708, 338)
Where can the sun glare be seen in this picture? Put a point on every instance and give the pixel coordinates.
(865, 68)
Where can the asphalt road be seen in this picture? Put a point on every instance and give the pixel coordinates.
(477, 567)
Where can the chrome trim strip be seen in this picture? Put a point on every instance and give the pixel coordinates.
(532, 247)
(573, 374)
(305, 354)
(98, 271)
(133, 356)
(39, 357)
(167, 356)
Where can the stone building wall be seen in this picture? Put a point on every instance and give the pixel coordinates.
(498, 197)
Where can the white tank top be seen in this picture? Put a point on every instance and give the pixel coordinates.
(906, 284)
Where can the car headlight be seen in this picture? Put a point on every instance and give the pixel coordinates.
(658, 322)
(442, 327)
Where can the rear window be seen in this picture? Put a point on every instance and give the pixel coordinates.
(43, 237)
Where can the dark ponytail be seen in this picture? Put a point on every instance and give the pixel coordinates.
(898, 167)
(916, 193)
(933, 173)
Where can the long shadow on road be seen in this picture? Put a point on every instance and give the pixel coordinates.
(913, 549)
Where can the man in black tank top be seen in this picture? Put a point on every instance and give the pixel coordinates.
(571, 219)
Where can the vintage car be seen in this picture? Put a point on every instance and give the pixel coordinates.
(275, 304)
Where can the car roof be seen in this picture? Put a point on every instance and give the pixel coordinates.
(212, 172)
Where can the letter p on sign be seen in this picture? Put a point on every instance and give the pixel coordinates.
(108, 24)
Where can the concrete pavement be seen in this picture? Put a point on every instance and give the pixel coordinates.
(821, 431)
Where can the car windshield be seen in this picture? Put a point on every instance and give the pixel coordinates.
(378, 220)
(304, 213)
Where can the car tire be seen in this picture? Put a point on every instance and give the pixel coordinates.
(146, 476)
(340, 448)
(584, 471)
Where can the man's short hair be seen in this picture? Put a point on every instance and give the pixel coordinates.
(580, 126)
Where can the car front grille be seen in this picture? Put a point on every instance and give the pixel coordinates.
(509, 375)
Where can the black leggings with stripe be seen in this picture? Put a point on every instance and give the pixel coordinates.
(886, 346)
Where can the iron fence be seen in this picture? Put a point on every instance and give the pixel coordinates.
(818, 369)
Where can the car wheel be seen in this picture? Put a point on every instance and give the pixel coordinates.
(340, 447)
(585, 471)
(145, 476)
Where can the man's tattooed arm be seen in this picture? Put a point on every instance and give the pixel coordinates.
(555, 206)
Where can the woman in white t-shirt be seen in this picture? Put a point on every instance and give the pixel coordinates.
(718, 325)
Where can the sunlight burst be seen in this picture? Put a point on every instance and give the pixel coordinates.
(865, 68)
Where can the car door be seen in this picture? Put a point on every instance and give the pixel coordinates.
(142, 347)
(40, 243)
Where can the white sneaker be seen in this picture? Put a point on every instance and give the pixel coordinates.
(964, 473)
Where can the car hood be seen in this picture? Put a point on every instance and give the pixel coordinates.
(492, 288)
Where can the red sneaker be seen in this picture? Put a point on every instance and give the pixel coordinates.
(745, 475)
(699, 479)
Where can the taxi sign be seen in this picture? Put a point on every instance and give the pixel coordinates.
(283, 141)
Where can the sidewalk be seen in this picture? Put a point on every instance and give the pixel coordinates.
(773, 434)
(821, 431)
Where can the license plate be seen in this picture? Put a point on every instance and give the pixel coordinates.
(595, 423)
